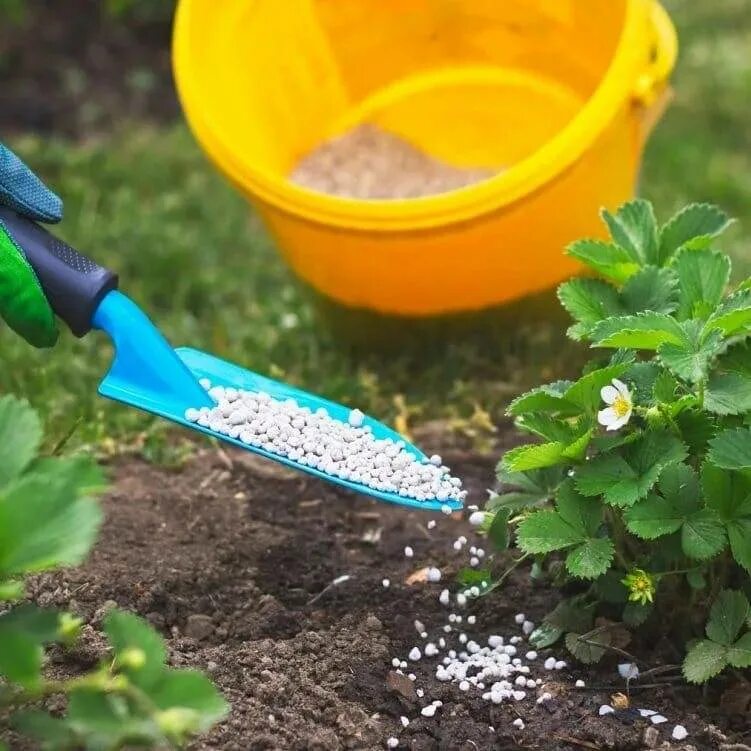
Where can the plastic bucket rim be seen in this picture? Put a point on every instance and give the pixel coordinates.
(615, 88)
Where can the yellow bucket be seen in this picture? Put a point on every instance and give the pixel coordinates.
(560, 94)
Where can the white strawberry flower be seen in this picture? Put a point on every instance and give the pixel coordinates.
(620, 405)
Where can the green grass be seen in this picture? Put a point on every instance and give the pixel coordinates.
(146, 203)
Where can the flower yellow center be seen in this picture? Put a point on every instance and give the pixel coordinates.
(621, 406)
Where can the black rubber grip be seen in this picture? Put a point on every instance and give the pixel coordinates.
(73, 283)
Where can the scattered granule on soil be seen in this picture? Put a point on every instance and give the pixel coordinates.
(370, 163)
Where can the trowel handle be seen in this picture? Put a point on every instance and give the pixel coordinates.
(73, 283)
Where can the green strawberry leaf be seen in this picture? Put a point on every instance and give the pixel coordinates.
(642, 331)
(590, 647)
(127, 632)
(739, 655)
(727, 617)
(547, 427)
(704, 660)
(623, 480)
(703, 535)
(534, 456)
(53, 733)
(693, 226)
(636, 613)
(20, 657)
(697, 429)
(728, 493)
(731, 449)
(728, 394)
(634, 228)
(732, 316)
(591, 559)
(654, 517)
(677, 508)
(498, 532)
(610, 260)
(588, 301)
(545, 635)
(653, 289)
(546, 531)
(547, 398)
(44, 520)
(572, 614)
(691, 358)
(190, 690)
(20, 436)
(702, 278)
(533, 488)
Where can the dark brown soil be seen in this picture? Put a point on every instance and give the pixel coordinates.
(231, 559)
(70, 67)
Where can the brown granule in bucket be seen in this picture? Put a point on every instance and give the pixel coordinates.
(370, 163)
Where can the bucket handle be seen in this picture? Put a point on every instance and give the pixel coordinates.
(652, 92)
(652, 82)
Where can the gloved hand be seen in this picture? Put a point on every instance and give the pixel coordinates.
(23, 305)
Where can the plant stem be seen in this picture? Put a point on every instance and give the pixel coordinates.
(497, 583)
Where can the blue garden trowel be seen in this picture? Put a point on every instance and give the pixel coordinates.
(146, 372)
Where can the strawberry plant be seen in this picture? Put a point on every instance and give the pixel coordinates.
(635, 495)
(49, 518)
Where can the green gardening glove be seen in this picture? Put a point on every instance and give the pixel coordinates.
(23, 305)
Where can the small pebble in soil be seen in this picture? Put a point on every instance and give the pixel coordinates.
(315, 439)
(519, 618)
(471, 619)
(560, 664)
(679, 733)
(549, 664)
(432, 523)
(428, 711)
(443, 598)
(528, 627)
(518, 723)
(386, 583)
(476, 518)
(543, 697)
(414, 654)
(408, 552)
(404, 721)
(392, 742)
(474, 561)
(580, 683)
(647, 712)
(658, 719)
(531, 655)
(434, 574)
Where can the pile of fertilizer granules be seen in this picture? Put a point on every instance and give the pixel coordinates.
(314, 439)
(370, 163)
